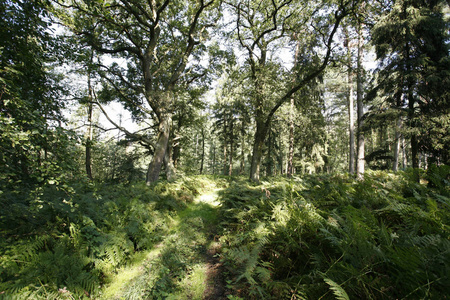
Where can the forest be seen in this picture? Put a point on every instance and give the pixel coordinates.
(224, 149)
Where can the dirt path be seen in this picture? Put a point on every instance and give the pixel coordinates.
(184, 265)
(215, 281)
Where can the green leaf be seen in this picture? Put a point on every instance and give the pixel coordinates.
(338, 291)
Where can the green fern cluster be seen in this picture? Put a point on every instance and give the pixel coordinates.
(59, 243)
(386, 237)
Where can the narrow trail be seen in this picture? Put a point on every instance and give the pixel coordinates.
(184, 265)
(215, 281)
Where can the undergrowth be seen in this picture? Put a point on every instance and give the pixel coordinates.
(328, 237)
(310, 237)
(66, 242)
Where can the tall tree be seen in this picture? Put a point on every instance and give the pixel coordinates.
(261, 26)
(162, 43)
(350, 102)
(412, 45)
(360, 163)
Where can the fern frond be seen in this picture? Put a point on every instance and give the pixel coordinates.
(338, 291)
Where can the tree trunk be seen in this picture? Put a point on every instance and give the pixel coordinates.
(397, 144)
(214, 160)
(269, 169)
(260, 136)
(290, 167)
(351, 121)
(203, 151)
(225, 159)
(280, 158)
(230, 164)
(404, 157)
(88, 161)
(168, 162)
(242, 167)
(360, 108)
(88, 158)
(154, 167)
(290, 170)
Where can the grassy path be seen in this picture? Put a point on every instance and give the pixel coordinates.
(183, 266)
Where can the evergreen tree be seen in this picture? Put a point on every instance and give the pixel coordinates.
(412, 44)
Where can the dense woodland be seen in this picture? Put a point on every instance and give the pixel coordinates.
(271, 149)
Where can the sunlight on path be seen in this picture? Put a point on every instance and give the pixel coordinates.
(183, 265)
(127, 274)
(211, 198)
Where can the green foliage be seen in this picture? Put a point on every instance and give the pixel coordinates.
(59, 243)
(385, 237)
(32, 139)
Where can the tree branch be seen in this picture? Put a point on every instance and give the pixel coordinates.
(339, 15)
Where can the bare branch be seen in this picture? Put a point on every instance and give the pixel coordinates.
(123, 129)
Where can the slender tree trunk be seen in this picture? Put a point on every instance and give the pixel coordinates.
(154, 167)
(404, 157)
(280, 158)
(411, 100)
(242, 167)
(290, 170)
(397, 144)
(360, 108)
(225, 159)
(214, 160)
(88, 158)
(230, 165)
(290, 167)
(351, 121)
(203, 151)
(269, 170)
(88, 161)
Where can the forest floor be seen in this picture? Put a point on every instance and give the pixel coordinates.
(185, 264)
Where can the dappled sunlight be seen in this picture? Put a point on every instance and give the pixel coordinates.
(126, 275)
(210, 198)
(177, 267)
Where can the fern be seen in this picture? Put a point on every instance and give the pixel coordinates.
(338, 291)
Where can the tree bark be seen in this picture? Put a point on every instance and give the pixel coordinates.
(242, 166)
(351, 121)
(203, 151)
(154, 167)
(88, 161)
(230, 165)
(88, 158)
(214, 160)
(269, 169)
(168, 165)
(290, 170)
(397, 144)
(225, 159)
(360, 107)
(260, 136)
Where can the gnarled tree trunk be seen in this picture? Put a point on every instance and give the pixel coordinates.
(154, 167)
